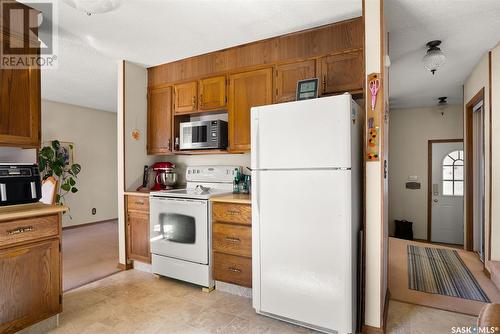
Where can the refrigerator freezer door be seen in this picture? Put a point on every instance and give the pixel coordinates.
(302, 241)
(304, 134)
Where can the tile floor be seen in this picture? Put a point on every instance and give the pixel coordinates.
(138, 302)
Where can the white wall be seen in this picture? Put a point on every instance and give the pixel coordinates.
(93, 133)
(409, 134)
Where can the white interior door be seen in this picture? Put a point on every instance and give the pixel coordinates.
(305, 253)
(447, 201)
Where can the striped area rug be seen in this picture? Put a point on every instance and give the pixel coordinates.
(442, 271)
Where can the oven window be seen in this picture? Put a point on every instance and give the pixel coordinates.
(199, 134)
(178, 228)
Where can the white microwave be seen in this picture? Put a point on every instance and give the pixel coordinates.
(203, 135)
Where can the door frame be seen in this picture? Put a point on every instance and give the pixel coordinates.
(429, 179)
(469, 170)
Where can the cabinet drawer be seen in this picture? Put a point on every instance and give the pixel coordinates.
(140, 203)
(232, 239)
(232, 213)
(23, 230)
(233, 269)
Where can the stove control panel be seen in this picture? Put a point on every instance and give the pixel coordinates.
(223, 174)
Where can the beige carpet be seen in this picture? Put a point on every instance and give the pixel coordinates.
(398, 281)
(89, 253)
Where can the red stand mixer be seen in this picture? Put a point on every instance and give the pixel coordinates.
(165, 175)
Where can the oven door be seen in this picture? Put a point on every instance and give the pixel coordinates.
(179, 228)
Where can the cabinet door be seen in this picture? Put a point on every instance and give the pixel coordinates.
(287, 76)
(342, 73)
(160, 121)
(185, 96)
(31, 285)
(212, 93)
(20, 107)
(246, 90)
(138, 236)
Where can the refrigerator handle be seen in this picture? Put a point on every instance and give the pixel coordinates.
(254, 140)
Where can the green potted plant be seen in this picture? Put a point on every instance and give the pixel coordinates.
(56, 160)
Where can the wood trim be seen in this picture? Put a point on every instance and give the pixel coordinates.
(89, 224)
(487, 272)
(126, 266)
(490, 151)
(469, 171)
(429, 180)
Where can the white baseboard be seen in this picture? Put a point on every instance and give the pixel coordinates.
(141, 266)
(233, 289)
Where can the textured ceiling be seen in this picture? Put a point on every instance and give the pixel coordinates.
(150, 32)
(468, 29)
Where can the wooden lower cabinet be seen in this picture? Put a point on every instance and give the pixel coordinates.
(138, 229)
(232, 243)
(30, 274)
(233, 269)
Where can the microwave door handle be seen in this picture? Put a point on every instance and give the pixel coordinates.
(3, 192)
(33, 190)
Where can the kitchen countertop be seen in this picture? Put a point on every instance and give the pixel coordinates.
(233, 198)
(142, 192)
(20, 211)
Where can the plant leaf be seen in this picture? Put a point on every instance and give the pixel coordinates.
(74, 190)
(76, 168)
(66, 187)
(58, 199)
(72, 181)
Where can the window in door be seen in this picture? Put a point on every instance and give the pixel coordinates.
(453, 174)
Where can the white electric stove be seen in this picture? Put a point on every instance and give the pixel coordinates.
(180, 230)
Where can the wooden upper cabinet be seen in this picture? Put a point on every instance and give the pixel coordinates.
(246, 90)
(342, 73)
(20, 107)
(212, 93)
(287, 76)
(160, 121)
(185, 97)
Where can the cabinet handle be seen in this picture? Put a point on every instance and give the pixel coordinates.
(324, 83)
(232, 212)
(201, 100)
(234, 270)
(194, 101)
(232, 239)
(139, 202)
(169, 144)
(21, 230)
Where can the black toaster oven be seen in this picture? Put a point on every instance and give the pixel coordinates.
(19, 184)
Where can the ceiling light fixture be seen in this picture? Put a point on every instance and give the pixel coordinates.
(442, 103)
(91, 7)
(434, 58)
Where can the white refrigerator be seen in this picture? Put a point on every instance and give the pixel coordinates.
(306, 161)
